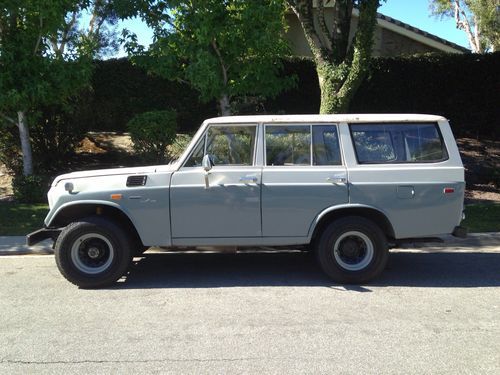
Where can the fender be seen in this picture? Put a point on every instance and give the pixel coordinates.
(338, 207)
(52, 215)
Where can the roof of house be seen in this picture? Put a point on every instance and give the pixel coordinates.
(400, 26)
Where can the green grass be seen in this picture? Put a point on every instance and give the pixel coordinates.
(18, 219)
(484, 217)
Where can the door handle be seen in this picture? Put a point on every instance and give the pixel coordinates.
(248, 179)
(336, 180)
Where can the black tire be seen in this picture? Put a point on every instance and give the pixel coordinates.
(93, 252)
(352, 250)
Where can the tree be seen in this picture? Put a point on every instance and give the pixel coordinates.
(479, 19)
(341, 65)
(225, 49)
(45, 57)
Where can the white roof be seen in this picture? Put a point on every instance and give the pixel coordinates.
(378, 117)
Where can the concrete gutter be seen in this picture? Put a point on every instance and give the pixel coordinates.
(16, 245)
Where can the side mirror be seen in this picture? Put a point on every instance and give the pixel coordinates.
(207, 163)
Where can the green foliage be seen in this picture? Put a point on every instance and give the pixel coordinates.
(30, 189)
(178, 146)
(55, 132)
(223, 49)
(341, 64)
(114, 101)
(29, 74)
(19, 219)
(428, 84)
(479, 19)
(152, 133)
(482, 217)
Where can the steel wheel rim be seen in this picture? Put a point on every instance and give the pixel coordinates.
(92, 253)
(353, 250)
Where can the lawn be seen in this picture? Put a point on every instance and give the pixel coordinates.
(484, 217)
(20, 219)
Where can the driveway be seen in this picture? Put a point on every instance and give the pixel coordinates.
(433, 311)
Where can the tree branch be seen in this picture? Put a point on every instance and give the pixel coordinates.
(303, 11)
(9, 119)
(221, 62)
(39, 38)
(322, 23)
(463, 24)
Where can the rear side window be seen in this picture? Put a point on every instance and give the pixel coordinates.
(292, 145)
(398, 143)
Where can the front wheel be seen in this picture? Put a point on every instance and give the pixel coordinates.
(93, 252)
(352, 250)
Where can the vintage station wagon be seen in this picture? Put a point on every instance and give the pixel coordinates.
(347, 187)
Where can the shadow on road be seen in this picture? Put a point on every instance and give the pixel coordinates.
(414, 269)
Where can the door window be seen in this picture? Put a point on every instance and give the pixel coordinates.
(226, 145)
(291, 145)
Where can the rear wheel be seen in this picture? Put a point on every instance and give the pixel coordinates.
(93, 252)
(352, 250)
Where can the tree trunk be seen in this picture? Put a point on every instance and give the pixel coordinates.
(24, 135)
(224, 105)
(330, 81)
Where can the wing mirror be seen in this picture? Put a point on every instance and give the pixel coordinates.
(207, 163)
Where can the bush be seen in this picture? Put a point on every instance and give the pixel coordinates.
(30, 189)
(178, 146)
(152, 133)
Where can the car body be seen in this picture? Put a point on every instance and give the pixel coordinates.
(251, 181)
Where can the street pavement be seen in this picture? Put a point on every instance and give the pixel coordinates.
(434, 310)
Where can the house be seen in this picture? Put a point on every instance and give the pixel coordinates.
(392, 37)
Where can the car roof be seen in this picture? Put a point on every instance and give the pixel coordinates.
(352, 118)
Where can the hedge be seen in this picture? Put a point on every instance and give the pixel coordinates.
(462, 87)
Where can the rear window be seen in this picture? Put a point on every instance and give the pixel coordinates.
(398, 143)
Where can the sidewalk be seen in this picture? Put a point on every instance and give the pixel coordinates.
(16, 245)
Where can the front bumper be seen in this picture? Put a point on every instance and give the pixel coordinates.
(42, 234)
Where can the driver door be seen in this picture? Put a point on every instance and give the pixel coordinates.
(229, 206)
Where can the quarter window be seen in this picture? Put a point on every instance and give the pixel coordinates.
(398, 143)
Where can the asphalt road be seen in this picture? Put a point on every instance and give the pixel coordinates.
(435, 311)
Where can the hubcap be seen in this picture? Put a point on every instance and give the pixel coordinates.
(92, 253)
(353, 250)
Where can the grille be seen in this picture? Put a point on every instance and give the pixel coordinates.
(136, 180)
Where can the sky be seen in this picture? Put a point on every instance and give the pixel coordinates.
(413, 12)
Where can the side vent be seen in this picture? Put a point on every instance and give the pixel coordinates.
(136, 180)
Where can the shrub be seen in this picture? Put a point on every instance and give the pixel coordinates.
(152, 133)
(30, 189)
(178, 146)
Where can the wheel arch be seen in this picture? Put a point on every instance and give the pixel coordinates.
(332, 213)
(71, 212)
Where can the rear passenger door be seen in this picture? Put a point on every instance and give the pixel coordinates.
(303, 174)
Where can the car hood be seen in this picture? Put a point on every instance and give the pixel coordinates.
(114, 172)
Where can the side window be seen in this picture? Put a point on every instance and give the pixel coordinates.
(288, 145)
(326, 149)
(398, 143)
(373, 145)
(197, 156)
(423, 143)
(231, 145)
